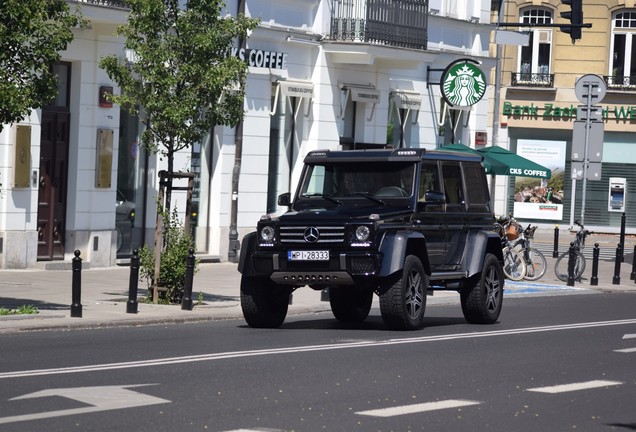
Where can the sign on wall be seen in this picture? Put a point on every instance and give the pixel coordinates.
(463, 83)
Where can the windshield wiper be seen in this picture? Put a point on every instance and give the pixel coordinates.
(327, 197)
(368, 196)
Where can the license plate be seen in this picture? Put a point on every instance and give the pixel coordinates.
(308, 255)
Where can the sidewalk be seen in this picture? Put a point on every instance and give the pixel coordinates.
(104, 292)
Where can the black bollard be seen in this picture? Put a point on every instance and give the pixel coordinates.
(555, 252)
(632, 276)
(186, 301)
(132, 305)
(595, 255)
(616, 280)
(76, 307)
(622, 238)
(571, 261)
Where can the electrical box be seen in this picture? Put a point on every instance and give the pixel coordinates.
(617, 194)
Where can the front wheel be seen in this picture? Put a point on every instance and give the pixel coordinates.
(264, 303)
(350, 303)
(513, 266)
(482, 296)
(402, 306)
(536, 264)
(561, 266)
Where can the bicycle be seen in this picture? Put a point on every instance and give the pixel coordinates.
(561, 265)
(536, 264)
(514, 266)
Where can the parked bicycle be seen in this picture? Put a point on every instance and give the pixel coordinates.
(514, 266)
(561, 265)
(536, 264)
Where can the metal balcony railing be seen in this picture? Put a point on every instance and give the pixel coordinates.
(398, 23)
(108, 3)
(616, 82)
(524, 79)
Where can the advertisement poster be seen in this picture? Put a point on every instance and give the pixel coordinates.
(536, 198)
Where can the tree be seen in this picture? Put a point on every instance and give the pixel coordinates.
(32, 35)
(183, 79)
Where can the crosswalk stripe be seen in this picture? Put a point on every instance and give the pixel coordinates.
(418, 408)
(626, 350)
(563, 388)
(630, 336)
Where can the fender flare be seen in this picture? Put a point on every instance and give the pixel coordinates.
(478, 244)
(396, 246)
(248, 245)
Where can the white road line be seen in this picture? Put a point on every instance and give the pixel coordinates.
(630, 336)
(563, 388)
(626, 350)
(306, 348)
(418, 408)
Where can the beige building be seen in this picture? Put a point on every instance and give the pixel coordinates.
(538, 106)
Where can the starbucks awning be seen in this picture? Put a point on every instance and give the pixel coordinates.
(293, 88)
(489, 165)
(509, 163)
(359, 93)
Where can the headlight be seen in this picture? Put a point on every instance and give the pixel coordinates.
(362, 233)
(267, 233)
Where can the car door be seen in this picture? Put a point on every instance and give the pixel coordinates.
(429, 214)
(456, 228)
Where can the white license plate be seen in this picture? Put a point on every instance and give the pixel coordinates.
(308, 255)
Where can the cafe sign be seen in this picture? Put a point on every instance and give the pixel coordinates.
(463, 83)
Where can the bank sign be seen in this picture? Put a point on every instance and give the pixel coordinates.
(554, 112)
(463, 83)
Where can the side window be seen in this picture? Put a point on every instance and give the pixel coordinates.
(429, 180)
(451, 173)
(476, 190)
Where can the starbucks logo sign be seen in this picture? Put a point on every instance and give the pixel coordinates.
(463, 83)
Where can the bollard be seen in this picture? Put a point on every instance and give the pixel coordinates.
(571, 261)
(632, 276)
(595, 255)
(132, 305)
(76, 307)
(186, 301)
(616, 280)
(622, 238)
(555, 252)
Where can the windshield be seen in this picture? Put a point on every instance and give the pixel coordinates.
(355, 179)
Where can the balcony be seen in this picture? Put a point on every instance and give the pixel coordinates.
(624, 83)
(525, 79)
(394, 23)
(107, 3)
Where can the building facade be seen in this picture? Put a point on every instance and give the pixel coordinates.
(538, 105)
(323, 74)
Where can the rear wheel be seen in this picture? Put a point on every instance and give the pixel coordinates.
(403, 305)
(482, 296)
(561, 266)
(350, 303)
(513, 266)
(264, 303)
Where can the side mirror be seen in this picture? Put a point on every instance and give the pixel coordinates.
(434, 197)
(284, 199)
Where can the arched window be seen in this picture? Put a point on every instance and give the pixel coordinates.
(534, 59)
(623, 60)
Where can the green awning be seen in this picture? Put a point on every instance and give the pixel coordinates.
(490, 166)
(509, 163)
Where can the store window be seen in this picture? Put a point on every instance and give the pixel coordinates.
(534, 58)
(623, 59)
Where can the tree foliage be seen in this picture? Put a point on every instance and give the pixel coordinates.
(32, 35)
(179, 79)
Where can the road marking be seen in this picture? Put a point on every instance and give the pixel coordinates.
(418, 408)
(101, 398)
(305, 349)
(630, 336)
(563, 388)
(626, 350)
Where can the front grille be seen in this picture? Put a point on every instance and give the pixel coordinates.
(326, 235)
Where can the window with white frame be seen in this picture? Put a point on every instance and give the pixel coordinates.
(623, 59)
(534, 59)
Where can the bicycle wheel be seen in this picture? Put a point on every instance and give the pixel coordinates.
(513, 266)
(536, 264)
(561, 266)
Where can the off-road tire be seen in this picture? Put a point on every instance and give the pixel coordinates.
(264, 303)
(402, 306)
(482, 295)
(350, 303)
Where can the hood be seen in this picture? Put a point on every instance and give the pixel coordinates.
(345, 213)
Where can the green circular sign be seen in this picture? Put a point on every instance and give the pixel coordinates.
(463, 83)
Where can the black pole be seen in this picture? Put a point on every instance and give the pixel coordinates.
(555, 252)
(131, 306)
(186, 301)
(76, 307)
(616, 280)
(632, 276)
(622, 238)
(595, 255)
(571, 260)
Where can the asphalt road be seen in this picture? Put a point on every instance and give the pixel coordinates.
(552, 363)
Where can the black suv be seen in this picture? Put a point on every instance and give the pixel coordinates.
(397, 223)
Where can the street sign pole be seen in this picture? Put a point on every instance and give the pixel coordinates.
(587, 149)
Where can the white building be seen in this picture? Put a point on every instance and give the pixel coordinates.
(334, 74)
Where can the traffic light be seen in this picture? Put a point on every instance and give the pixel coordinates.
(575, 16)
